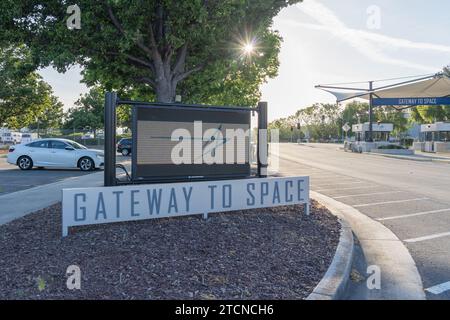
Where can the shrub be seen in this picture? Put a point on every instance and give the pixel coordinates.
(391, 147)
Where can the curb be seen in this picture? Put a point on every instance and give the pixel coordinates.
(400, 279)
(400, 157)
(334, 283)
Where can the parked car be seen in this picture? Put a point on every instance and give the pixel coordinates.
(125, 146)
(87, 136)
(55, 153)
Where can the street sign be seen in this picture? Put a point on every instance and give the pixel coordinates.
(88, 206)
(411, 101)
(346, 127)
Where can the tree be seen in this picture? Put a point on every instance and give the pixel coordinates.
(321, 120)
(51, 116)
(24, 96)
(89, 111)
(155, 44)
(356, 112)
(430, 114)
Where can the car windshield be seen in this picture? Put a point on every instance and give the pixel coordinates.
(76, 145)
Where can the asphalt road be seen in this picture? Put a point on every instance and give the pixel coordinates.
(411, 198)
(13, 179)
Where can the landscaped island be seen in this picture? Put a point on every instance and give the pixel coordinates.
(276, 253)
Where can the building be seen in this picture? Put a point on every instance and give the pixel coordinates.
(434, 138)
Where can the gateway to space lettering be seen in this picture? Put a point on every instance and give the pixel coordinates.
(127, 203)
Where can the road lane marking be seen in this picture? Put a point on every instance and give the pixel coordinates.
(440, 288)
(326, 179)
(367, 194)
(413, 215)
(338, 184)
(388, 202)
(354, 188)
(430, 237)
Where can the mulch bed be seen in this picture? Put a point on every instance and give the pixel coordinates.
(276, 253)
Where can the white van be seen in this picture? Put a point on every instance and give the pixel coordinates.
(17, 137)
(28, 137)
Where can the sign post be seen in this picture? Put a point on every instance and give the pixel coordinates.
(346, 129)
(110, 139)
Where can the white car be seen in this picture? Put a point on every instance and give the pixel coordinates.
(55, 153)
(87, 136)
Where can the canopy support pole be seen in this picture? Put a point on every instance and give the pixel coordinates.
(370, 112)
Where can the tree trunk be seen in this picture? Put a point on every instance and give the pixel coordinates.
(165, 91)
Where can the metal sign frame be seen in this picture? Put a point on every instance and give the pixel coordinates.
(112, 102)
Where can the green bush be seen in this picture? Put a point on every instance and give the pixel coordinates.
(391, 147)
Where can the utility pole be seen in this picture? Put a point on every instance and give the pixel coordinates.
(37, 120)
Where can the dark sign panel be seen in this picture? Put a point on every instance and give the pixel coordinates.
(190, 143)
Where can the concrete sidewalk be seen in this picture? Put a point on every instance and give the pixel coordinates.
(18, 204)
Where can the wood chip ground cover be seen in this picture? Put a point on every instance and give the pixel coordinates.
(275, 253)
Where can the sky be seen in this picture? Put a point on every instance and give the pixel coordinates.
(335, 41)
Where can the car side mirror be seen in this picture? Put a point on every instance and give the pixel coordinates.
(70, 149)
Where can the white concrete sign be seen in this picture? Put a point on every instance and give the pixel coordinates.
(87, 206)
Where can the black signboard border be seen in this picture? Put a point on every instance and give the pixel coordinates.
(111, 103)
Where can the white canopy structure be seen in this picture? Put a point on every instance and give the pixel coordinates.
(426, 90)
(431, 87)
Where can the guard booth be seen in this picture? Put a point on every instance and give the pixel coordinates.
(174, 142)
(434, 138)
(381, 133)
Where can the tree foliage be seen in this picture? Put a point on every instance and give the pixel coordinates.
(325, 121)
(89, 110)
(24, 97)
(154, 45)
(430, 114)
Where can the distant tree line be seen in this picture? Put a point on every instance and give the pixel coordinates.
(324, 122)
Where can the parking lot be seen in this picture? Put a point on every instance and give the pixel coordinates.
(13, 179)
(410, 198)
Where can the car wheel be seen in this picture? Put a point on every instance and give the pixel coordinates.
(125, 152)
(86, 164)
(25, 163)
